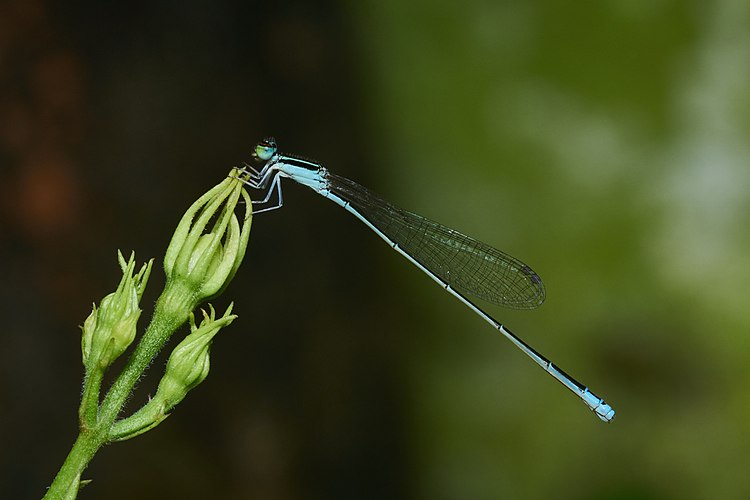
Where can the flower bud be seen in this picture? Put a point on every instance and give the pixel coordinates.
(188, 364)
(201, 262)
(187, 367)
(111, 327)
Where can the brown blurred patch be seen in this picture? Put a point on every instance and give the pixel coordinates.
(18, 20)
(41, 123)
(46, 201)
(42, 133)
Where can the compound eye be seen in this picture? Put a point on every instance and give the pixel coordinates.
(265, 149)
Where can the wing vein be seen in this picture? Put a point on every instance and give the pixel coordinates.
(468, 265)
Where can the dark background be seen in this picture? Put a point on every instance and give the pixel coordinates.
(604, 143)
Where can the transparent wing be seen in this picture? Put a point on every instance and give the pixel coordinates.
(468, 265)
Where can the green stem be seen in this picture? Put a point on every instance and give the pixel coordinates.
(87, 413)
(66, 482)
(171, 311)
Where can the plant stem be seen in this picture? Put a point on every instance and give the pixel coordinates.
(66, 482)
(171, 311)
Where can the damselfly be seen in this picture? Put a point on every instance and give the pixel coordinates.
(460, 264)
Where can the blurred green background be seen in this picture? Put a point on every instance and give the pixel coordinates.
(603, 143)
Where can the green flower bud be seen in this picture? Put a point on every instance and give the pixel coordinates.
(111, 327)
(187, 367)
(188, 364)
(202, 258)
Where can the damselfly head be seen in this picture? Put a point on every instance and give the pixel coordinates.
(265, 149)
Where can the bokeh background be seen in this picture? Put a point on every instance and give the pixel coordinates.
(604, 143)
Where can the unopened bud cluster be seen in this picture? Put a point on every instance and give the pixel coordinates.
(111, 327)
